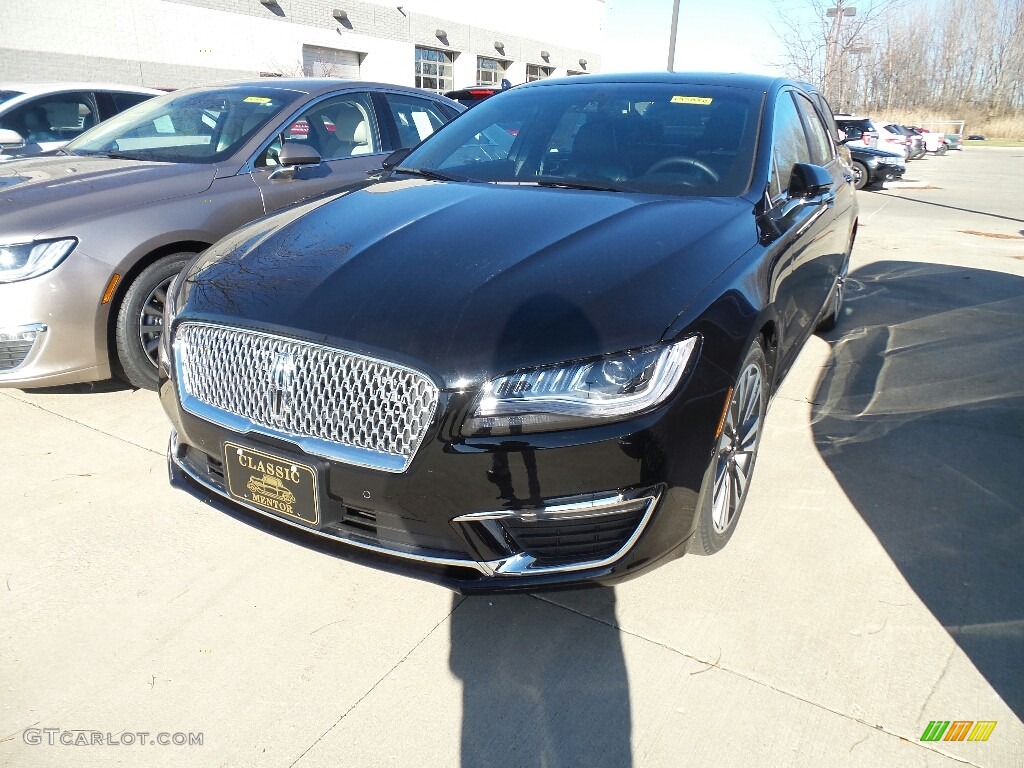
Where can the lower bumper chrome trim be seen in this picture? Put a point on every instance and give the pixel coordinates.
(519, 564)
(172, 454)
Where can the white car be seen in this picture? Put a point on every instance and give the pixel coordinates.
(934, 142)
(886, 140)
(893, 142)
(38, 117)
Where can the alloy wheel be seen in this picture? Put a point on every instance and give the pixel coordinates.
(151, 320)
(737, 448)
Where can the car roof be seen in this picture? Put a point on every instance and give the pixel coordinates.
(311, 85)
(34, 89)
(723, 79)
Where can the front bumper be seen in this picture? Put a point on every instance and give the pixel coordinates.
(886, 172)
(547, 510)
(63, 308)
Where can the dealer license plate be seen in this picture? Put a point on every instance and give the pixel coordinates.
(274, 483)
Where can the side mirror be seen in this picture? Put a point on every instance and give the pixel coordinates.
(809, 181)
(9, 138)
(293, 154)
(395, 158)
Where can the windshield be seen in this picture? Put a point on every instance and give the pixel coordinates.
(203, 126)
(637, 137)
(8, 95)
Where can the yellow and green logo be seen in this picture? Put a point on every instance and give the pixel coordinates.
(958, 730)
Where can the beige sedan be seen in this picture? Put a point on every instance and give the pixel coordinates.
(92, 235)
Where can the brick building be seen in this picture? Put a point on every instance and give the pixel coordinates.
(434, 44)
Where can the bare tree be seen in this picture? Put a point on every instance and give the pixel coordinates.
(896, 57)
(824, 44)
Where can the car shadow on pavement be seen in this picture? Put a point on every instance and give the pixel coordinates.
(85, 388)
(541, 686)
(920, 416)
(953, 207)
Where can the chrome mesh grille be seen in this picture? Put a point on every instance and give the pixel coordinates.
(333, 396)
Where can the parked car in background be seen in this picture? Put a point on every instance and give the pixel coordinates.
(872, 167)
(933, 142)
(91, 237)
(473, 95)
(912, 141)
(859, 129)
(575, 391)
(955, 141)
(38, 117)
(919, 141)
(877, 135)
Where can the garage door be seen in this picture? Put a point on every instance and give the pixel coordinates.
(329, 62)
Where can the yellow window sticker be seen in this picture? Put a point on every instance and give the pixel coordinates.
(705, 100)
(257, 100)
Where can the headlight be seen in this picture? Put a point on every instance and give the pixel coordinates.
(20, 261)
(579, 393)
(891, 160)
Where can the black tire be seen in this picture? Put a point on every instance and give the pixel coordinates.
(835, 311)
(860, 174)
(941, 150)
(717, 516)
(136, 320)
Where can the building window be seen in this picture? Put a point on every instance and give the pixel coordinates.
(490, 71)
(434, 70)
(538, 72)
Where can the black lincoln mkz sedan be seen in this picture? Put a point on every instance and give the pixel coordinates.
(575, 391)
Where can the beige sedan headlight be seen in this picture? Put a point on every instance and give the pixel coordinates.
(21, 261)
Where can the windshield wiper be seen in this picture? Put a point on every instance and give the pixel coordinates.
(122, 156)
(573, 184)
(113, 155)
(430, 173)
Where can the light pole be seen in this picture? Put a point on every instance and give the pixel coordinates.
(836, 13)
(672, 35)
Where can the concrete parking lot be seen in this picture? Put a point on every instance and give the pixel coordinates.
(874, 583)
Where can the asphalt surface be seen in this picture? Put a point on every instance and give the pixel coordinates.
(874, 583)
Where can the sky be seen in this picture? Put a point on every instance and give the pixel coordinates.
(714, 35)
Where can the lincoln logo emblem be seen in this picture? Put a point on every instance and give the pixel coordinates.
(282, 374)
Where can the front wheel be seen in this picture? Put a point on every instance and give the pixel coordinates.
(140, 320)
(728, 478)
(831, 318)
(860, 174)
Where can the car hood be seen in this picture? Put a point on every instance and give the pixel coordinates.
(43, 193)
(467, 280)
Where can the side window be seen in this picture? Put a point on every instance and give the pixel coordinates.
(415, 118)
(60, 117)
(789, 145)
(821, 147)
(123, 101)
(339, 127)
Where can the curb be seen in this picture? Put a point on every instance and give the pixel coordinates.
(908, 184)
